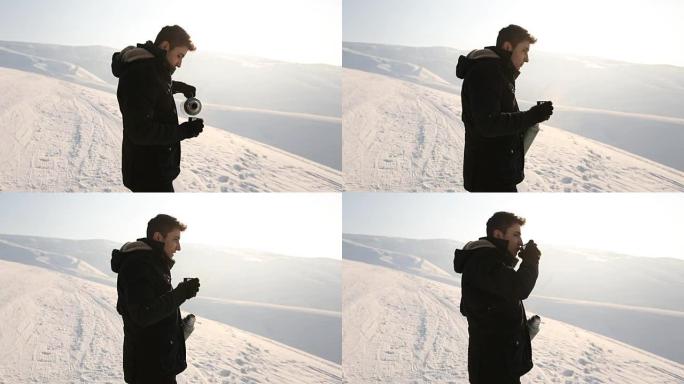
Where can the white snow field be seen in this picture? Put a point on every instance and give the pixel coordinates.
(59, 328)
(62, 136)
(291, 300)
(636, 300)
(402, 328)
(403, 136)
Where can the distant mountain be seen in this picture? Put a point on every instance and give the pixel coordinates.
(292, 300)
(63, 136)
(637, 300)
(401, 136)
(399, 327)
(286, 105)
(63, 329)
(634, 107)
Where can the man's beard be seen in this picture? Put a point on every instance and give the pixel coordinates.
(169, 67)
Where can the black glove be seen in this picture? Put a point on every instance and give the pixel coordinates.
(541, 112)
(187, 90)
(530, 253)
(186, 289)
(191, 128)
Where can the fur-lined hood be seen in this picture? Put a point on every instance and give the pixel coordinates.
(461, 256)
(488, 54)
(122, 60)
(140, 248)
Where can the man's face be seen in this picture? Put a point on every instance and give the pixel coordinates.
(171, 242)
(514, 236)
(519, 54)
(174, 56)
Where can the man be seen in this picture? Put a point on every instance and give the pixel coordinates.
(499, 348)
(154, 334)
(494, 158)
(151, 149)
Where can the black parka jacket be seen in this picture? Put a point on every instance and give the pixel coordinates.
(491, 298)
(154, 346)
(493, 154)
(151, 150)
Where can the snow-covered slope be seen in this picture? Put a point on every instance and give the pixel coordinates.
(63, 329)
(634, 107)
(402, 328)
(402, 136)
(289, 106)
(292, 300)
(61, 136)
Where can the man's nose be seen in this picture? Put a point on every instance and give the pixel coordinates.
(179, 248)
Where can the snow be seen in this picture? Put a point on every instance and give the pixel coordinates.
(61, 136)
(291, 300)
(403, 136)
(399, 327)
(63, 329)
(635, 300)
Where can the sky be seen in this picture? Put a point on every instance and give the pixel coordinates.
(642, 31)
(295, 224)
(303, 31)
(648, 224)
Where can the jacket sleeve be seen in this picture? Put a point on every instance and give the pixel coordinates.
(492, 276)
(485, 92)
(141, 125)
(142, 305)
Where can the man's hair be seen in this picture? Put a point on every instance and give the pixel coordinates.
(163, 224)
(515, 35)
(502, 221)
(176, 36)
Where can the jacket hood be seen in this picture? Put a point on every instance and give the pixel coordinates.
(461, 256)
(122, 60)
(134, 249)
(487, 54)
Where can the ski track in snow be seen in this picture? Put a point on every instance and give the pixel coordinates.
(61, 136)
(63, 329)
(402, 328)
(401, 136)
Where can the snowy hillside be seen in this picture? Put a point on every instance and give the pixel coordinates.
(636, 300)
(220, 78)
(634, 107)
(402, 136)
(60, 136)
(62, 329)
(572, 80)
(286, 105)
(295, 301)
(403, 328)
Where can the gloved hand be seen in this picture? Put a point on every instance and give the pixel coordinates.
(190, 129)
(186, 289)
(188, 325)
(530, 253)
(186, 89)
(541, 112)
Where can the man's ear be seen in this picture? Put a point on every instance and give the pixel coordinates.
(498, 234)
(165, 45)
(158, 237)
(507, 46)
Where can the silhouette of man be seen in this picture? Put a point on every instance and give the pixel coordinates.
(494, 158)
